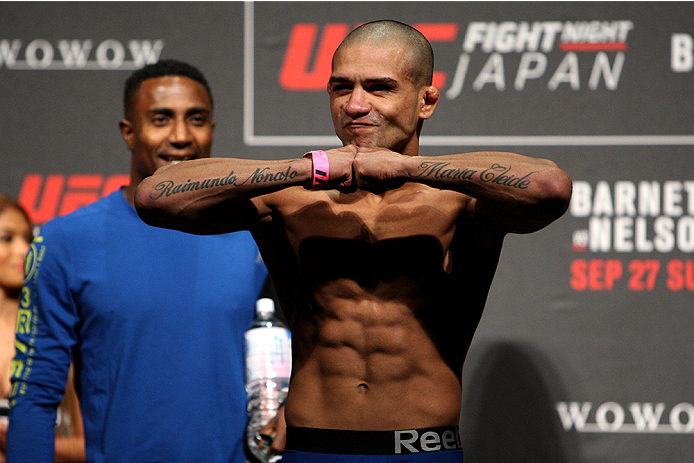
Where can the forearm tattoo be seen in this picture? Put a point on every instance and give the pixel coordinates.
(498, 174)
(260, 175)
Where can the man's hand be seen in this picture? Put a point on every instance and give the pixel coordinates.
(378, 169)
(341, 175)
(275, 432)
(372, 169)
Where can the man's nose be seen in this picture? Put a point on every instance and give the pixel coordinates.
(358, 103)
(180, 133)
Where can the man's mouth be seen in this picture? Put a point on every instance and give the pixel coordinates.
(358, 126)
(176, 158)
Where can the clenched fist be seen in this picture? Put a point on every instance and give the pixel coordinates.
(372, 169)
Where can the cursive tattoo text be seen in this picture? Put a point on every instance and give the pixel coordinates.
(260, 175)
(497, 174)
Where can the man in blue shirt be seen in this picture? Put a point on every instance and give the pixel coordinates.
(152, 318)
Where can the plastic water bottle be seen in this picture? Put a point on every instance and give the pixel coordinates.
(268, 366)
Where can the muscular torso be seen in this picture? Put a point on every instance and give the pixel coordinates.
(383, 293)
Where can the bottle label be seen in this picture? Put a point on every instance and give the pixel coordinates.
(268, 353)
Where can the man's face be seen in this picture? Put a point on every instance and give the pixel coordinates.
(373, 101)
(169, 121)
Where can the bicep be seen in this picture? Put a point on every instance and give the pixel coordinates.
(505, 217)
(229, 216)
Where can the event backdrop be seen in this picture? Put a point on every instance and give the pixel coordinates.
(585, 351)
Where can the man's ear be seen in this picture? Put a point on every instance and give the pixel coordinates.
(430, 96)
(126, 131)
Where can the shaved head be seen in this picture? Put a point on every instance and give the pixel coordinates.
(384, 33)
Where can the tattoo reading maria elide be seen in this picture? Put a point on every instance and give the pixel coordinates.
(261, 175)
(495, 174)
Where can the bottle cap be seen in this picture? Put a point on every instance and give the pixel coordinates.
(265, 307)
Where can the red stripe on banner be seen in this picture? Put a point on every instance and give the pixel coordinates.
(601, 46)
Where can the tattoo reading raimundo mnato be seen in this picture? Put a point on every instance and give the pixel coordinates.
(261, 175)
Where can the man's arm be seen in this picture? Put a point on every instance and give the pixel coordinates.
(220, 195)
(45, 335)
(520, 194)
(71, 448)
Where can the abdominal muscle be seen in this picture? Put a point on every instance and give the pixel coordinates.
(363, 361)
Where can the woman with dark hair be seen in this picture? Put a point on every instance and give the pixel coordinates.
(15, 239)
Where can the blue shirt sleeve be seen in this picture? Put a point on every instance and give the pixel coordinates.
(45, 335)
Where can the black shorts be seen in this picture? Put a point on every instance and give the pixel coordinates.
(311, 445)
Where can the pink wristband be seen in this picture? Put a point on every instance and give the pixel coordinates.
(321, 168)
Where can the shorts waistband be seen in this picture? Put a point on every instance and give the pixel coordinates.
(347, 442)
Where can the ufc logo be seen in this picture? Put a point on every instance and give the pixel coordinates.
(295, 74)
(59, 194)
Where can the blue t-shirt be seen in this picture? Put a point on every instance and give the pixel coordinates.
(154, 320)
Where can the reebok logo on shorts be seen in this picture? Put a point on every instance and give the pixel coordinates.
(432, 440)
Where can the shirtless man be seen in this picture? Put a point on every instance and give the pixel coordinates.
(369, 260)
